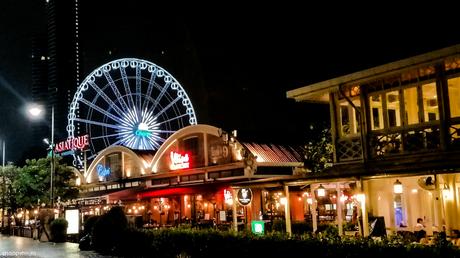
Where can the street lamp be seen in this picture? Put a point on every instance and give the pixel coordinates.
(35, 112)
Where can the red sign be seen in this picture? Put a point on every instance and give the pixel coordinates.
(179, 161)
(78, 143)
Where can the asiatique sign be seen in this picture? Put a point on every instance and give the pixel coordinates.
(77, 143)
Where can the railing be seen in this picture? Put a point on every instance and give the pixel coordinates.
(404, 141)
(349, 149)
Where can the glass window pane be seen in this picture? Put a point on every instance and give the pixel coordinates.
(344, 118)
(454, 96)
(394, 118)
(410, 104)
(349, 123)
(430, 102)
(376, 112)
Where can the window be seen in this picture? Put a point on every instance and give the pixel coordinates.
(113, 162)
(411, 106)
(430, 102)
(454, 96)
(375, 103)
(393, 109)
(191, 145)
(349, 117)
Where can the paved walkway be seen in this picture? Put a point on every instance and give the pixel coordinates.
(12, 246)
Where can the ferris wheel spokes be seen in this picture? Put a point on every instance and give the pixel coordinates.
(138, 87)
(116, 91)
(106, 98)
(150, 87)
(102, 111)
(167, 107)
(126, 85)
(160, 96)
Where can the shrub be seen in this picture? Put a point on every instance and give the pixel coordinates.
(108, 230)
(89, 225)
(59, 230)
(301, 227)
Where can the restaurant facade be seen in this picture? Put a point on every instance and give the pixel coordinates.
(395, 132)
(192, 178)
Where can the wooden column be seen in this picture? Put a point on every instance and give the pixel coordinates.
(314, 214)
(450, 205)
(287, 211)
(437, 205)
(443, 104)
(334, 123)
(235, 218)
(339, 210)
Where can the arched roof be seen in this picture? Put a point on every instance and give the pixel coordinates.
(111, 149)
(200, 128)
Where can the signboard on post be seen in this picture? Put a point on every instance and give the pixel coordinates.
(244, 196)
(73, 218)
(258, 227)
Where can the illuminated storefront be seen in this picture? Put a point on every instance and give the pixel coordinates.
(395, 131)
(190, 179)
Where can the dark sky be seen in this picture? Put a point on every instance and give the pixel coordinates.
(235, 61)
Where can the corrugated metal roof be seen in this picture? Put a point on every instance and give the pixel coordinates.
(274, 153)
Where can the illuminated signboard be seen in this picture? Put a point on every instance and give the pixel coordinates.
(179, 161)
(78, 143)
(143, 130)
(244, 196)
(258, 227)
(73, 218)
(228, 197)
(102, 171)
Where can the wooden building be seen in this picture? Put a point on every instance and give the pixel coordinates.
(396, 125)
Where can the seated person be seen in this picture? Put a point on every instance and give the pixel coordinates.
(419, 226)
(419, 230)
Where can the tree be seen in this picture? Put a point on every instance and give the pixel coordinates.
(33, 182)
(8, 194)
(319, 148)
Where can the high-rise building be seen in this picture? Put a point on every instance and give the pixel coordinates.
(63, 63)
(39, 87)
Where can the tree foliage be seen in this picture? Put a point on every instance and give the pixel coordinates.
(33, 183)
(8, 175)
(319, 148)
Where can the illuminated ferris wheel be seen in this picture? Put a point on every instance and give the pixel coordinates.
(129, 102)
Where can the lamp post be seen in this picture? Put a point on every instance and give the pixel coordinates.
(3, 184)
(35, 111)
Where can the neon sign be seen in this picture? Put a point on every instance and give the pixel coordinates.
(102, 171)
(179, 161)
(78, 143)
(143, 130)
(143, 133)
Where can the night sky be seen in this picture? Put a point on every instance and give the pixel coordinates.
(235, 62)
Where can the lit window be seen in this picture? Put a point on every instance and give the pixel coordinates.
(454, 96)
(411, 106)
(430, 102)
(349, 117)
(376, 113)
(393, 109)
